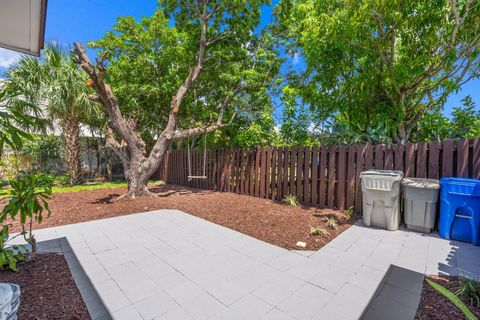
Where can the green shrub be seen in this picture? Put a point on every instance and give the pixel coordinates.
(291, 200)
(10, 166)
(470, 289)
(61, 180)
(28, 196)
(9, 255)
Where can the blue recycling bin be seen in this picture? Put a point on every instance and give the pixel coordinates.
(460, 209)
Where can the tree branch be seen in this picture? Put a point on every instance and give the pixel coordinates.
(104, 94)
(183, 134)
(119, 148)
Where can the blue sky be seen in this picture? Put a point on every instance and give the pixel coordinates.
(84, 20)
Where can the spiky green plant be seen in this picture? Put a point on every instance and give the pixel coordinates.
(291, 200)
(332, 223)
(469, 289)
(318, 231)
(349, 212)
(453, 298)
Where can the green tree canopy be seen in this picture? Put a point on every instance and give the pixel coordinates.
(381, 63)
(197, 67)
(464, 123)
(149, 60)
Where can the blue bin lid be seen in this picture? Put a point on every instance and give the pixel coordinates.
(454, 180)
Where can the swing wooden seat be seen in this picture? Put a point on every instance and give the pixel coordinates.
(190, 176)
(196, 177)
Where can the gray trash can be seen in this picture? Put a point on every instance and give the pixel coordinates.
(420, 198)
(381, 198)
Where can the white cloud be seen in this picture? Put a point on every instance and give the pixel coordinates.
(8, 57)
(296, 58)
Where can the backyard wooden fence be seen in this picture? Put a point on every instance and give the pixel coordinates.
(326, 176)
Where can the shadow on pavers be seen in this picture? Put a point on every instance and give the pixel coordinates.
(95, 306)
(397, 296)
(463, 260)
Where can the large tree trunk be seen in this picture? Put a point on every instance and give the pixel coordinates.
(71, 132)
(137, 173)
(137, 167)
(402, 134)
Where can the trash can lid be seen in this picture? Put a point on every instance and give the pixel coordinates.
(421, 183)
(460, 180)
(6, 294)
(384, 173)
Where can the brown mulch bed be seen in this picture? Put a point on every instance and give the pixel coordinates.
(434, 305)
(273, 222)
(48, 290)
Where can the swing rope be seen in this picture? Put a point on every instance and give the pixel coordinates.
(204, 174)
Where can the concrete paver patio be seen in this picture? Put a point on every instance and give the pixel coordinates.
(167, 264)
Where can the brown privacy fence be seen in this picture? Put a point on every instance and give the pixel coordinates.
(326, 176)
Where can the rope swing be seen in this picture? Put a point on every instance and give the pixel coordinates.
(204, 174)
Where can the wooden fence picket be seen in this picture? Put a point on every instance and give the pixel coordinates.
(350, 191)
(409, 160)
(307, 165)
(323, 177)
(314, 177)
(331, 177)
(462, 158)
(447, 158)
(341, 178)
(434, 160)
(476, 159)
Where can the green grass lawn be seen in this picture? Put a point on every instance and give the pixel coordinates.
(95, 186)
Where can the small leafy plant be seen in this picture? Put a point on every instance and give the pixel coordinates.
(291, 200)
(28, 196)
(318, 231)
(349, 212)
(470, 289)
(61, 180)
(453, 298)
(9, 254)
(332, 223)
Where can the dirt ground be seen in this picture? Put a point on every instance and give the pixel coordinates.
(273, 222)
(48, 290)
(434, 306)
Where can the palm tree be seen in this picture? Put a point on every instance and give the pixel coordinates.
(55, 82)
